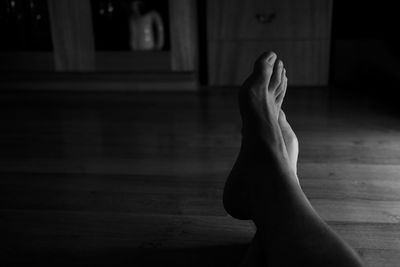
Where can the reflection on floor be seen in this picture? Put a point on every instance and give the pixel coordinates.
(126, 178)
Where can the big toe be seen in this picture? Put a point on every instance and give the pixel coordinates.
(264, 65)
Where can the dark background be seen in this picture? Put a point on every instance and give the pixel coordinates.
(364, 36)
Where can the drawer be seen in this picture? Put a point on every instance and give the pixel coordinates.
(306, 62)
(268, 19)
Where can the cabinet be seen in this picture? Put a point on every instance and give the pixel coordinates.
(239, 31)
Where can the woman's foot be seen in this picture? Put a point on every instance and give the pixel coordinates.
(291, 142)
(264, 125)
(263, 185)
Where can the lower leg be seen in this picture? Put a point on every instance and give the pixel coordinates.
(254, 256)
(293, 234)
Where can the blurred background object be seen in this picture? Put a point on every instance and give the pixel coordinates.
(196, 43)
(298, 31)
(146, 28)
(112, 19)
(91, 42)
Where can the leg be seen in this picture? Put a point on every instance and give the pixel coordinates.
(263, 185)
(254, 256)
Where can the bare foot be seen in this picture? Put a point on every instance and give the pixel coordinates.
(291, 142)
(260, 100)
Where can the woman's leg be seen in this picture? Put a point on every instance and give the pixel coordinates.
(264, 187)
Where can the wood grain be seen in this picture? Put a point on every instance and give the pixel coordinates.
(72, 35)
(137, 179)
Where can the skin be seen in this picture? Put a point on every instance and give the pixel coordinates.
(263, 185)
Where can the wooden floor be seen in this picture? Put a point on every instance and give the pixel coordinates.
(137, 179)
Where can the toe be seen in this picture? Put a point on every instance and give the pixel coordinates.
(281, 91)
(280, 86)
(264, 65)
(276, 76)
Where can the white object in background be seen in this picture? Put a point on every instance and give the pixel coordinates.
(146, 30)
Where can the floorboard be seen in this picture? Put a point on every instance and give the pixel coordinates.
(136, 178)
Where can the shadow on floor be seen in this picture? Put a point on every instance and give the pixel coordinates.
(229, 255)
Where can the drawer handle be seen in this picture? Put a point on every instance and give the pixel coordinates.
(265, 19)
